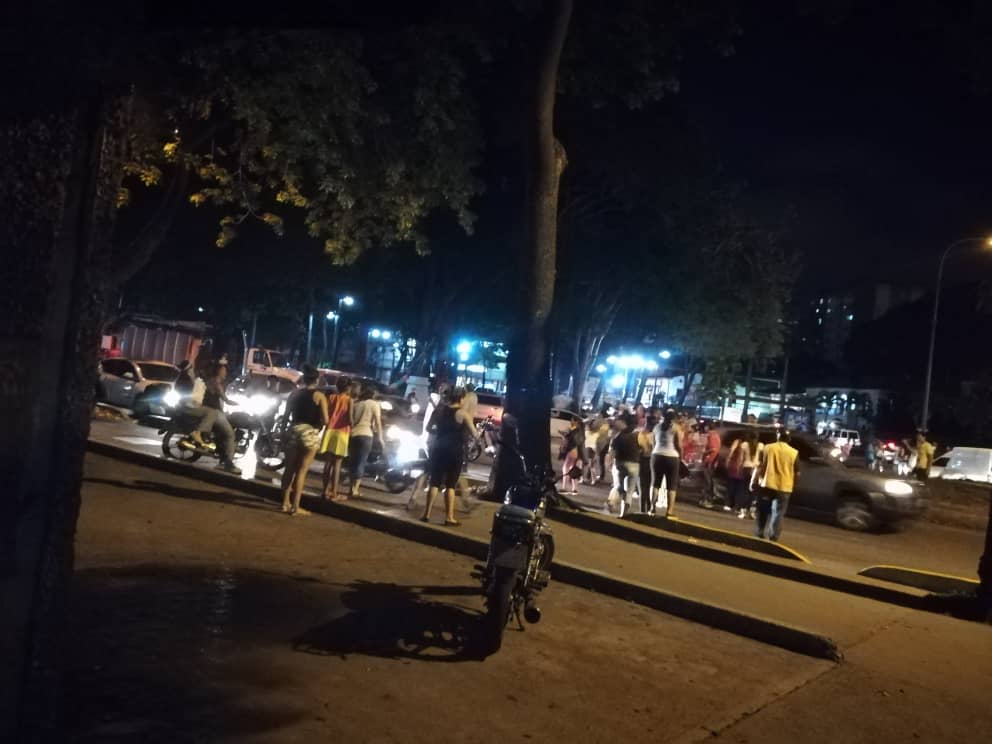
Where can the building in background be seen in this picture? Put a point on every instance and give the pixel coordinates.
(829, 317)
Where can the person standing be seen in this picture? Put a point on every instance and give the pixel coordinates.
(449, 426)
(711, 458)
(366, 424)
(665, 462)
(470, 402)
(306, 411)
(589, 456)
(924, 457)
(572, 448)
(645, 441)
(776, 475)
(744, 457)
(334, 444)
(626, 462)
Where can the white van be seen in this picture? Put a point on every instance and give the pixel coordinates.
(964, 463)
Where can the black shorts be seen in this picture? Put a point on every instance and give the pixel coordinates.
(445, 468)
(667, 467)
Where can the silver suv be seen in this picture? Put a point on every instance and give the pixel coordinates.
(828, 491)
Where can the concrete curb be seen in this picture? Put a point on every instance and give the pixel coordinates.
(714, 534)
(930, 581)
(791, 571)
(722, 618)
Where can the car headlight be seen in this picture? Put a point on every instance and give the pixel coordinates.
(171, 398)
(386, 405)
(835, 452)
(259, 405)
(414, 408)
(898, 488)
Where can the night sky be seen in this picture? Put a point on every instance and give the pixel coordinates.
(872, 127)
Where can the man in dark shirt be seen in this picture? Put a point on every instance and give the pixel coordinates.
(626, 460)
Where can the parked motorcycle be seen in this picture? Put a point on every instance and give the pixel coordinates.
(521, 549)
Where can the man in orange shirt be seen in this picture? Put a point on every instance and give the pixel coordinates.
(711, 458)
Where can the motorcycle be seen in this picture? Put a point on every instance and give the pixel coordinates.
(483, 441)
(521, 549)
(177, 442)
(398, 465)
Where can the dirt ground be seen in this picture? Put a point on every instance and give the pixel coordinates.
(201, 615)
(959, 504)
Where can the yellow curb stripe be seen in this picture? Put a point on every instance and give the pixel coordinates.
(706, 528)
(919, 571)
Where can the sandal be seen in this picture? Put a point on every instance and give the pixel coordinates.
(286, 508)
(452, 523)
(299, 511)
(425, 519)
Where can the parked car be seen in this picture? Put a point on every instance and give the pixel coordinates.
(964, 463)
(138, 385)
(827, 491)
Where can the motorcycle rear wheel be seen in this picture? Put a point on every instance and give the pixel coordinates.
(269, 454)
(171, 448)
(499, 604)
(396, 483)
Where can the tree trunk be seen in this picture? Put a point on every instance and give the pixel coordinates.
(690, 374)
(59, 181)
(528, 374)
(748, 380)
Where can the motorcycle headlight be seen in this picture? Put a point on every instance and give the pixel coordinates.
(414, 408)
(898, 488)
(171, 398)
(386, 405)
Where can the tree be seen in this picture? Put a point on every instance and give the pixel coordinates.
(364, 146)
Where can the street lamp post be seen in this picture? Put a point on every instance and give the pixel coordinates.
(925, 417)
(346, 301)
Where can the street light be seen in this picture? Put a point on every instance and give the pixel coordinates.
(346, 301)
(925, 418)
(665, 354)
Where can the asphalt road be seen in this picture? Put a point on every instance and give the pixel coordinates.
(919, 545)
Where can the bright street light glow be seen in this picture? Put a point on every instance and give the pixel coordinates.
(386, 335)
(651, 364)
(463, 348)
(463, 357)
(611, 360)
(332, 315)
(347, 300)
(375, 333)
(666, 354)
(618, 381)
(199, 309)
(601, 368)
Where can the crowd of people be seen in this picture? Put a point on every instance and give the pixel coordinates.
(646, 452)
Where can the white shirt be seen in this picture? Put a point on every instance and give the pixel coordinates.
(199, 388)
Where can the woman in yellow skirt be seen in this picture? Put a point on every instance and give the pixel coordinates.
(334, 445)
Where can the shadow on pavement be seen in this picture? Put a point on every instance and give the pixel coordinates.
(398, 622)
(161, 653)
(196, 494)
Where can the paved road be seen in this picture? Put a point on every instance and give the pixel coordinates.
(920, 545)
(203, 614)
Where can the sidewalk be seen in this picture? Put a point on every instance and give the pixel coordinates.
(844, 619)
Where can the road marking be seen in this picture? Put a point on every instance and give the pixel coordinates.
(144, 441)
(799, 556)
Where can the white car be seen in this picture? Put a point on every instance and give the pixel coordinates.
(964, 463)
(138, 385)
